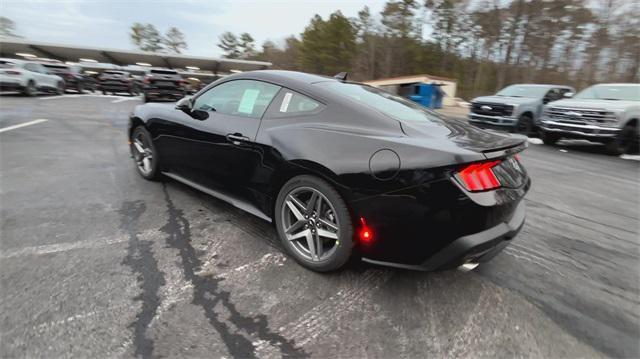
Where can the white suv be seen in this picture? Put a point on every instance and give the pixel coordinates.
(28, 77)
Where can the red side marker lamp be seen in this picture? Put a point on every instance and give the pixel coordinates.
(365, 233)
(479, 176)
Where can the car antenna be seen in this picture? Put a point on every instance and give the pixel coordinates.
(341, 76)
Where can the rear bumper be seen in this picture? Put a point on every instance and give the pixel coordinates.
(474, 248)
(115, 87)
(157, 92)
(579, 131)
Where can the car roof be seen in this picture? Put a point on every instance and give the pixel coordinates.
(283, 76)
(15, 61)
(619, 84)
(542, 85)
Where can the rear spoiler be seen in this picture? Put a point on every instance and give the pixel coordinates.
(506, 151)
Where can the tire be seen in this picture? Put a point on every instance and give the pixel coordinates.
(336, 243)
(60, 88)
(145, 98)
(626, 142)
(143, 150)
(525, 125)
(550, 139)
(104, 92)
(80, 88)
(30, 90)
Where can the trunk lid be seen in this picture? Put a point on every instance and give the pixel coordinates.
(489, 143)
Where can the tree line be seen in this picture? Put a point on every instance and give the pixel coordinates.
(485, 45)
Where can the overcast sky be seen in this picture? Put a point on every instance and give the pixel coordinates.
(105, 23)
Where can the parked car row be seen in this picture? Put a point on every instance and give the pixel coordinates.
(605, 113)
(29, 77)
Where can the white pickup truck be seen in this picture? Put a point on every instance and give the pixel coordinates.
(606, 113)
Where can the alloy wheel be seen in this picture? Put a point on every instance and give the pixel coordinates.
(310, 224)
(143, 155)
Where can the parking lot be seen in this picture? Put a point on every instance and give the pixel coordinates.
(97, 262)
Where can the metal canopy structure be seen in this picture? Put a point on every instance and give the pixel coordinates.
(15, 47)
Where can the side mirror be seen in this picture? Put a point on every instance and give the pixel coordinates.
(568, 94)
(185, 105)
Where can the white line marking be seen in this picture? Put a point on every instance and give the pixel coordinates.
(534, 141)
(124, 99)
(630, 157)
(58, 96)
(34, 122)
(62, 247)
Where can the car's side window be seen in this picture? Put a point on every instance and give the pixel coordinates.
(245, 98)
(553, 95)
(31, 67)
(290, 103)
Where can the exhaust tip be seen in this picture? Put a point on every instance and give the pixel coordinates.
(468, 266)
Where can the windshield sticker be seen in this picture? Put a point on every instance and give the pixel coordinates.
(285, 102)
(248, 101)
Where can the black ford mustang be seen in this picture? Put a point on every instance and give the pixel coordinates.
(342, 169)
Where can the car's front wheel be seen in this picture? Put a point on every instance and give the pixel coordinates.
(525, 125)
(314, 224)
(30, 89)
(550, 139)
(144, 154)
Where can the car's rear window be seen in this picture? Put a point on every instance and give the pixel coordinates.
(164, 72)
(389, 104)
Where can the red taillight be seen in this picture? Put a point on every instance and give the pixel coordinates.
(146, 80)
(365, 233)
(479, 176)
(11, 72)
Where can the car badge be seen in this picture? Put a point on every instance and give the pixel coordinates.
(487, 108)
(574, 114)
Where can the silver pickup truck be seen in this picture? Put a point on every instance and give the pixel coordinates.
(606, 113)
(516, 108)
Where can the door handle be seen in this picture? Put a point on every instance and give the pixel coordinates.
(237, 138)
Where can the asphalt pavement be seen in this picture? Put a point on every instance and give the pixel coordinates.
(97, 262)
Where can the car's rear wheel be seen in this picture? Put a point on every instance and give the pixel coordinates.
(314, 224)
(144, 154)
(60, 88)
(80, 87)
(550, 138)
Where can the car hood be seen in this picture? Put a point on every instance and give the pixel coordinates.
(595, 104)
(505, 99)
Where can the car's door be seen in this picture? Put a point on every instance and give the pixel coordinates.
(219, 152)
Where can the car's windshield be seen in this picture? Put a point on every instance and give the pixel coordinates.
(610, 92)
(391, 105)
(528, 91)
